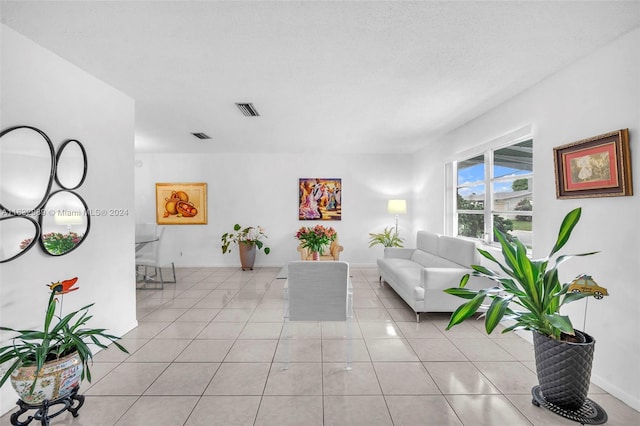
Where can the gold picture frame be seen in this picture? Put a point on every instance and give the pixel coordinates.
(596, 167)
(181, 203)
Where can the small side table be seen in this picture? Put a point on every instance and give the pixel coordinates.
(71, 402)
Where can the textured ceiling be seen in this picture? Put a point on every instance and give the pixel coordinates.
(374, 77)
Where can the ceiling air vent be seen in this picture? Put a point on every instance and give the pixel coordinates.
(248, 110)
(201, 135)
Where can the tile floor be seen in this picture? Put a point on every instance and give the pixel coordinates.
(207, 352)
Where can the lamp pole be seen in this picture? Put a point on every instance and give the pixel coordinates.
(397, 216)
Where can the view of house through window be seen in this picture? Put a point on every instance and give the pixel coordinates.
(495, 188)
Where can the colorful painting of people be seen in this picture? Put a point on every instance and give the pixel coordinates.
(320, 199)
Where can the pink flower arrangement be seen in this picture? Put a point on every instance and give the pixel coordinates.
(25, 243)
(57, 243)
(317, 238)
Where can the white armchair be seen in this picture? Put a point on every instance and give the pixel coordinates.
(318, 291)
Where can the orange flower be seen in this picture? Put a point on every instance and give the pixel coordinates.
(64, 287)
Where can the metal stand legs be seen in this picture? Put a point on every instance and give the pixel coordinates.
(42, 413)
(156, 278)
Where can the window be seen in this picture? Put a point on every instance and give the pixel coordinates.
(495, 188)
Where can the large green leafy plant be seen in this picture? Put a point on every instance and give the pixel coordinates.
(530, 293)
(57, 339)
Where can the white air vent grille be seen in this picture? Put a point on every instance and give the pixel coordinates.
(248, 109)
(201, 135)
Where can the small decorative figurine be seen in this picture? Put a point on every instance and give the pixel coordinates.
(585, 284)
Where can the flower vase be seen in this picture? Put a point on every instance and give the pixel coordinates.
(315, 255)
(564, 369)
(247, 255)
(56, 379)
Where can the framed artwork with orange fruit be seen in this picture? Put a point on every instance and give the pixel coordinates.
(181, 203)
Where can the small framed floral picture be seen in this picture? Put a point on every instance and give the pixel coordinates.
(181, 203)
(596, 167)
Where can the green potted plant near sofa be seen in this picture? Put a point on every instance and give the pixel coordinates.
(49, 364)
(248, 240)
(388, 238)
(528, 292)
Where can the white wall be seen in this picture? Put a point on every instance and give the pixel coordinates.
(44, 91)
(262, 189)
(598, 94)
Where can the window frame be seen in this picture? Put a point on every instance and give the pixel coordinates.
(489, 203)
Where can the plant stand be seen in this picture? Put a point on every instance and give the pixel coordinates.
(590, 412)
(42, 413)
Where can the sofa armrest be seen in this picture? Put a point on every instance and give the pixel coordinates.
(303, 252)
(398, 253)
(442, 278)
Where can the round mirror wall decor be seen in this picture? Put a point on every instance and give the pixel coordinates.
(29, 211)
(27, 167)
(71, 164)
(17, 235)
(65, 224)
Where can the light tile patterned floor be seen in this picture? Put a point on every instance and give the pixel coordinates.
(207, 351)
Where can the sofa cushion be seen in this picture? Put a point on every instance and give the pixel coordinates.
(429, 260)
(401, 271)
(462, 252)
(427, 241)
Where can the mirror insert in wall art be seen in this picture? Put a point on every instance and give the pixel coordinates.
(320, 199)
(30, 211)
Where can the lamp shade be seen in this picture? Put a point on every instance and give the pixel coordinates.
(397, 206)
(68, 217)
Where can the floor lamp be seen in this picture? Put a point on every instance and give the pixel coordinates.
(397, 207)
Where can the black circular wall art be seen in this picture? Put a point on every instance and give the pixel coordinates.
(30, 211)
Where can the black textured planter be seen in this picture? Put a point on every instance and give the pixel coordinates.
(564, 369)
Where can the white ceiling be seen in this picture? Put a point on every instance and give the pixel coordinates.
(375, 77)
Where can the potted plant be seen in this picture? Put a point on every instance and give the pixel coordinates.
(529, 293)
(388, 238)
(316, 239)
(248, 241)
(48, 364)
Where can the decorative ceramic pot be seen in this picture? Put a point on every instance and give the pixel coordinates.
(564, 369)
(315, 255)
(56, 379)
(247, 255)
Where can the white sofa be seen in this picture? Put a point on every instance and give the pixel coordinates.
(419, 275)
